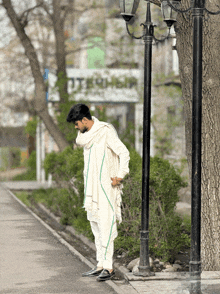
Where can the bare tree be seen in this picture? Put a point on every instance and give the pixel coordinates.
(56, 15)
(20, 22)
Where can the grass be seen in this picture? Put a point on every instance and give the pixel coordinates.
(24, 197)
(29, 175)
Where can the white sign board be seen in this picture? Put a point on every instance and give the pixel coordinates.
(101, 85)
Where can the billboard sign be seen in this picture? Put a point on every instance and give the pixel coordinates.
(101, 85)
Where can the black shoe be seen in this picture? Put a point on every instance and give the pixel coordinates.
(105, 275)
(92, 273)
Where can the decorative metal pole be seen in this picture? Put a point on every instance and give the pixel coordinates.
(195, 256)
(128, 9)
(197, 12)
(144, 266)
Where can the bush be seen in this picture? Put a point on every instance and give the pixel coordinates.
(15, 154)
(168, 233)
(30, 174)
(10, 157)
(31, 126)
(67, 170)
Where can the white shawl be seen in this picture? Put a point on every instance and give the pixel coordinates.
(102, 200)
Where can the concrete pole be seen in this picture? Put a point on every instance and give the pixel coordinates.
(42, 152)
(38, 151)
(51, 144)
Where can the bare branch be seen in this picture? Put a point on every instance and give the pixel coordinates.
(80, 49)
(87, 8)
(67, 9)
(26, 12)
(23, 18)
(45, 7)
(156, 2)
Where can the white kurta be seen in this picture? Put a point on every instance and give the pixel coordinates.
(105, 157)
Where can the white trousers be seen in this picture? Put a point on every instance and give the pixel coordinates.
(104, 256)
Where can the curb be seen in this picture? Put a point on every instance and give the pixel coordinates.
(69, 229)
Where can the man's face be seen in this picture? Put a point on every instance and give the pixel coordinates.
(81, 126)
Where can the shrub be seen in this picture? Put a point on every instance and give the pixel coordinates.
(10, 157)
(67, 170)
(31, 162)
(30, 174)
(15, 154)
(31, 126)
(168, 234)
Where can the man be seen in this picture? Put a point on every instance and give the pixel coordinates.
(106, 161)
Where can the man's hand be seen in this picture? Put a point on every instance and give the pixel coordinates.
(116, 181)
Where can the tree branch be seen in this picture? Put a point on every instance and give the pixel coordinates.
(156, 2)
(26, 12)
(23, 18)
(25, 40)
(67, 10)
(79, 49)
(45, 7)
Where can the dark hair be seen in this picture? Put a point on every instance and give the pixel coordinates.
(78, 112)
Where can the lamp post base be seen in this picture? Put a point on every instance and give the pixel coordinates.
(195, 270)
(144, 271)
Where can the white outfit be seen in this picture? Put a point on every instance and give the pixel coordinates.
(105, 157)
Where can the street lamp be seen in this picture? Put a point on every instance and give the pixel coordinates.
(128, 9)
(197, 7)
(169, 14)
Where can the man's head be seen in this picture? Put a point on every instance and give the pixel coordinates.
(80, 115)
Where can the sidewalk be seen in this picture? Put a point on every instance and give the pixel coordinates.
(178, 283)
(34, 259)
(161, 283)
(24, 185)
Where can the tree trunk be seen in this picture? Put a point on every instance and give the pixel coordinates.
(58, 26)
(40, 104)
(210, 233)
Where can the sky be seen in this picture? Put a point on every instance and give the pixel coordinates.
(5, 32)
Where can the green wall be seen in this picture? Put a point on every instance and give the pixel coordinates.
(96, 53)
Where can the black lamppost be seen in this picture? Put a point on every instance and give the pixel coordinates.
(197, 8)
(128, 9)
